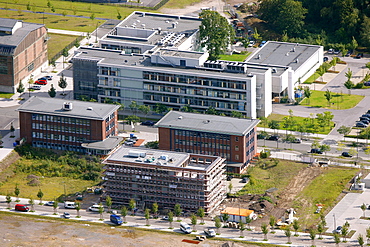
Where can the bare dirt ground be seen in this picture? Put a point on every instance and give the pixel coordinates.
(24, 231)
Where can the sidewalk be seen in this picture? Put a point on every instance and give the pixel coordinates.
(8, 144)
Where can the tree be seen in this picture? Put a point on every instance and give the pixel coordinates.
(312, 236)
(55, 206)
(132, 206)
(248, 220)
(170, 218)
(272, 223)
(288, 233)
(201, 214)
(32, 203)
(225, 218)
(256, 36)
(344, 130)
(324, 148)
(132, 119)
(321, 71)
(92, 16)
(133, 106)
(241, 228)
(217, 224)
(283, 15)
(119, 16)
(363, 208)
(155, 209)
(320, 230)
(349, 84)
(336, 239)
(78, 208)
(334, 62)
(344, 233)
(20, 88)
(230, 187)
(237, 114)
(307, 93)
(16, 192)
(365, 31)
(265, 230)
(62, 83)
(108, 202)
(64, 54)
(147, 216)
(328, 95)
(52, 92)
(215, 33)
(8, 200)
(124, 213)
(296, 227)
(144, 109)
(274, 124)
(101, 211)
(177, 210)
(40, 195)
(194, 222)
(368, 234)
(360, 240)
(30, 81)
(212, 111)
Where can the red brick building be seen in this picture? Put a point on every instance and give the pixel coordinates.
(234, 139)
(23, 51)
(79, 126)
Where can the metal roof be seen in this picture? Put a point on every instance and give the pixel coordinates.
(80, 109)
(207, 123)
(107, 144)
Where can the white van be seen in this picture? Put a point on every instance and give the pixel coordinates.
(71, 205)
(95, 208)
(185, 227)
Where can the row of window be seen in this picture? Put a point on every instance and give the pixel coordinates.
(187, 194)
(61, 128)
(196, 80)
(67, 120)
(58, 137)
(163, 184)
(202, 134)
(58, 146)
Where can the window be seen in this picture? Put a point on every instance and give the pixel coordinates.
(236, 157)
(236, 138)
(236, 148)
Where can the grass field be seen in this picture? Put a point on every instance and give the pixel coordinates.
(338, 102)
(57, 42)
(298, 121)
(174, 4)
(235, 57)
(312, 78)
(273, 176)
(6, 95)
(324, 189)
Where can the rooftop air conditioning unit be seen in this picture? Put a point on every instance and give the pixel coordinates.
(67, 106)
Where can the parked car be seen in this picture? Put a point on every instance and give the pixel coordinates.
(361, 125)
(66, 215)
(165, 217)
(147, 123)
(35, 87)
(349, 53)
(326, 59)
(366, 115)
(42, 79)
(245, 180)
(210, 232)
(297, 140)
(95, 208)
(251, 43)
(359, 55)
(336, 52)
(330, 51)
(50, 203)
(21, 207)
(262, 43)
(338, 229)
(365, 121)
(49, 77)
(229, 178)
(315, 151)
(364, 118)
(367, 83)
(346, 154)
(41, 82)
(273, 138)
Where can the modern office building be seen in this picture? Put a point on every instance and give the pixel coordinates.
(155, 58)
(23, 51)
(164, 177)
(85, 127)
(231, 138)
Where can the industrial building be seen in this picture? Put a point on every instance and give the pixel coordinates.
(79, 126)
(155, 59)
(23, 52)
(164, 177)
(234, 139)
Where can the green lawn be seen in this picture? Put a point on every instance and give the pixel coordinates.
(235, 57)
(338, 102)
(6, 95)
(175, 4)
(57, 42)
(309, 123)
(312, 78)
(272, 176)
(324, 189)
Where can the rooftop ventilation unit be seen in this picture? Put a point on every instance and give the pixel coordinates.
(274, 70)
(293, 50)
(180, 117)
(297, 61)
(250, 75)
(67, 106)
(89, 108)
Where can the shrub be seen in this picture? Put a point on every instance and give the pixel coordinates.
(359, 85)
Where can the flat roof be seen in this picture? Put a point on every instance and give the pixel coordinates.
(159, 158)
(117, 58)
(237, 211)
(207, 123)
(179, 53)
(80, 109)
(107, 144)
(283, 54)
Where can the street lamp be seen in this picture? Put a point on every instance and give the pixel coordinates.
(335, 223)
(96, 32)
